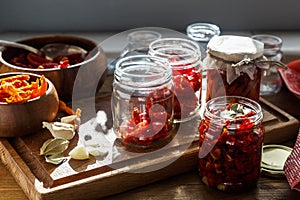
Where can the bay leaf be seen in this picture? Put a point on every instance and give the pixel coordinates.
(55, 159)
(54, 146)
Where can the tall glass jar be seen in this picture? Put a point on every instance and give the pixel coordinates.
(142, 100)
(234, 67)
(185, 59)
(231, 138)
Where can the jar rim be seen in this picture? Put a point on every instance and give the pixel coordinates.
(169, 48)
(146, 35)
(222, 101)
(202, 31)
(148, 71)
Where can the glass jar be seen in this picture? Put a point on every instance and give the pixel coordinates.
(138, 42)
(234, 67)
(185, 59)
(202, 34)
(142, 100)
(231, 138)
(271, 82)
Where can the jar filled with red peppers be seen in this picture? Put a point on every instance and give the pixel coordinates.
(142, 101)
(231, 138)
(184, 57)
(234, 66)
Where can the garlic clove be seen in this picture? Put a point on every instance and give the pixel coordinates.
(79, 153)
(73, 119)
(97, 152)
(60, 129)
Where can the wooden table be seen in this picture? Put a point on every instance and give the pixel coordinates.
(185, 186)
(188, 185)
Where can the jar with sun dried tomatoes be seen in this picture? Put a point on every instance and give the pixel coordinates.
(231, 137)
(184, 57)
(142, 101)
(234, 66)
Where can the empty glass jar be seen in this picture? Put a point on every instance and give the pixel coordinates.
(142, 100)
(231, 137)
(202, 34)
(138, 42)
(185, 59)
(271, 82)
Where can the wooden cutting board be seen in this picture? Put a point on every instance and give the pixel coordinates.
(120, 170)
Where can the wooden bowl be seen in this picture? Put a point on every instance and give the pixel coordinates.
(91, 76)
(18, 119)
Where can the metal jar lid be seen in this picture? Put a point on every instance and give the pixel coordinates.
(234, 48)
(273, 159)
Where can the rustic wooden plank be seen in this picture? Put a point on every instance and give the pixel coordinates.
(18, 169)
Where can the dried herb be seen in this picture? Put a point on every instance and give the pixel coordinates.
(55, 158)
(54, 146)
(235, 111)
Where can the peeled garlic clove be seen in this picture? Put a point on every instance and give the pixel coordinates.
(68, 119)
(79, 153)
(60, 130)
(72, 119)
(94, 151)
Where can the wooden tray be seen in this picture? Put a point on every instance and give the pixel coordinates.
(120, 170)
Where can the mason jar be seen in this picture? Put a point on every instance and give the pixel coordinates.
(185, 59)
(202, 33)
(231, 138)
(271, 82)
(234, 66)
(142, 101)
(138, 42)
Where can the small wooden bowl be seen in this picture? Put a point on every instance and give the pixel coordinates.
(92, 69)
(18, 119)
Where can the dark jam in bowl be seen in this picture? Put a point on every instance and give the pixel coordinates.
(231, 136)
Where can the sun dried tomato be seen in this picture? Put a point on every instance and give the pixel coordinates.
(217, 85)
(187, 83)
(150, 125)
(31, 60)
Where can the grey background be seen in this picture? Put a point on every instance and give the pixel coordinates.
(119, 15)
